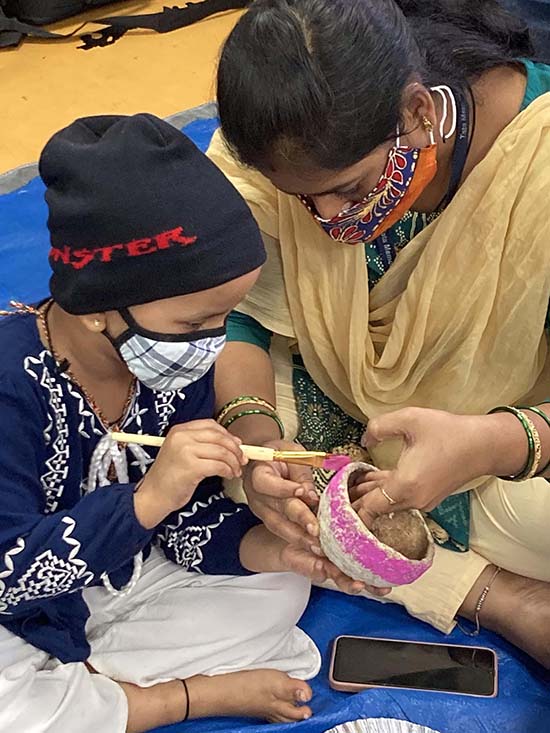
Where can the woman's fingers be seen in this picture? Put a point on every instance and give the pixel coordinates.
(303, 475)
(373, 504)
(392, 425)
(342, 581)
(304, 563)
(367, 482)
(350, 586)
(279, 525)
(301, 514)
(266, 480)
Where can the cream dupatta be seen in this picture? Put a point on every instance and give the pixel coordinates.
(457, 323)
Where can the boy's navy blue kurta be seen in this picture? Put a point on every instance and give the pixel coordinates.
(56, 538)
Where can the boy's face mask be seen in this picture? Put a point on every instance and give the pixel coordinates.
(167, 362)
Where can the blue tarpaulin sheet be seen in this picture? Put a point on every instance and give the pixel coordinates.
(523, 703)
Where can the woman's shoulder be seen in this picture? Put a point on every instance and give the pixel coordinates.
(538, 81)
(258, 192)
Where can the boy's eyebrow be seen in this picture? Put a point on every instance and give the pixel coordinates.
(203, 316)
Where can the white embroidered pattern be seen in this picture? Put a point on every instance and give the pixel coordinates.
(57, 469)
(8, 562)
(187, 543)
(165, 407)
(89, 424)
(135, 413)
(48, 575)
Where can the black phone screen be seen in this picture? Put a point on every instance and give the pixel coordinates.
(461, 669)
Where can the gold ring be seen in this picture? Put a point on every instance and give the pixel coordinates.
(391, 501)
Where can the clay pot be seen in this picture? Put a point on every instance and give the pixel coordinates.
(354, 549)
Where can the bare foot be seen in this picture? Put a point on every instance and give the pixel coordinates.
(262, 693)
(517, 608)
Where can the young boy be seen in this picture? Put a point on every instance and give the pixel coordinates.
(127, 598)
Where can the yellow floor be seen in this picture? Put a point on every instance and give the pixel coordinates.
(45, 85)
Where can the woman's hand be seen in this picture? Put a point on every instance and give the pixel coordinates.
(298, 560)
(281, 496)
(441, 453)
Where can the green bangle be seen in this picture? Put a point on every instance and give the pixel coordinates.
(244, 400)
(530, 430)
(546, 419)
(245, 413)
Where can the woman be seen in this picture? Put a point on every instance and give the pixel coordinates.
(419, 132)
(133, 592)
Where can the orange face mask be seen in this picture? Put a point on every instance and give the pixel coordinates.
(407, 174)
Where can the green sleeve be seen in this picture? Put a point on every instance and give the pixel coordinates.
(246, 329)
(538, 81)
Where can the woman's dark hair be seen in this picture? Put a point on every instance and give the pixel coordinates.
(321, 81)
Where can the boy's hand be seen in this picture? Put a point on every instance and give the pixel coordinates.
(191, 452)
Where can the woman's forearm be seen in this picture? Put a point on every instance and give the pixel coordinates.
(246, 369)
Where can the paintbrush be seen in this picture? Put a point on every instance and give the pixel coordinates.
(315, 459)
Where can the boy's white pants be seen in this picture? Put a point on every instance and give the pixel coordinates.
(173, 625)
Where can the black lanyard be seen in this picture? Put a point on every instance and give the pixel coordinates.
(463, 142)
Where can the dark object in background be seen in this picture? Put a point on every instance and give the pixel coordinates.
(20, 19)
(536, 13)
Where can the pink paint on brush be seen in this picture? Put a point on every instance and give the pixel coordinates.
(336, 463)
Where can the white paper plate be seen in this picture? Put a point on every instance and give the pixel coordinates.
(380, 725)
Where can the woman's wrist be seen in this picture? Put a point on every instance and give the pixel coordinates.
(504, 445)
(255, 429)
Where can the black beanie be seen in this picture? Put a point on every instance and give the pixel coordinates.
(137, 213)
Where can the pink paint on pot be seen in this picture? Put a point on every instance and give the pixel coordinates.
(352, 547)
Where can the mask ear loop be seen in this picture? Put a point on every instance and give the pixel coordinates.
(443, 91)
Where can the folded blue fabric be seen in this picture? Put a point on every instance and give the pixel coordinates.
(522, 706)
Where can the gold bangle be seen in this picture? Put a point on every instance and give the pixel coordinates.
(546, 419)
(533, 441)
(245, 413)
(244, 400)
(538, 451)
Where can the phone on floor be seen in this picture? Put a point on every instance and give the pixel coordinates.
(360, 663)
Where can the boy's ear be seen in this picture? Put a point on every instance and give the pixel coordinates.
(94, 322)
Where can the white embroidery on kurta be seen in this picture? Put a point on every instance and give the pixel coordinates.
(48, 575)
(165, 407)
(56, 432)
(187, 543)
(89, 424)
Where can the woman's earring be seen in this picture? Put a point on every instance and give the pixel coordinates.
(97, 323)
(429, 127)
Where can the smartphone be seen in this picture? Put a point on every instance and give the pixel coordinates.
(360, 663)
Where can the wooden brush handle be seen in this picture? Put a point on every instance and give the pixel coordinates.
(252, 452)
